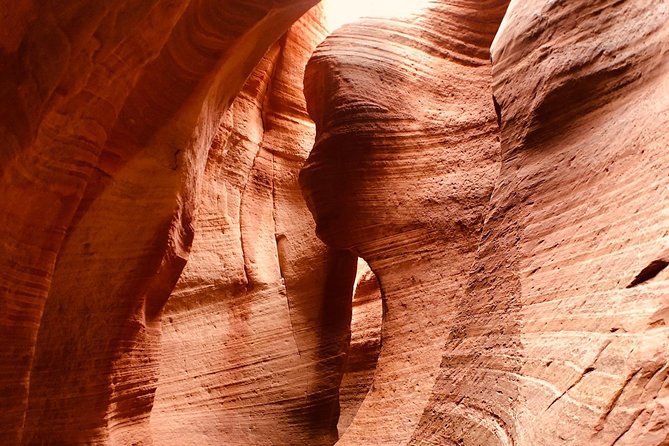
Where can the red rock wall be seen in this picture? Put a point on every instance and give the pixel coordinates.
(558, 335)
(406, 153)
(256, 329)
(108, 110)
(161, 278)
(559, 341)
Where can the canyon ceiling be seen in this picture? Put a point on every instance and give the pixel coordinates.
(223, 222)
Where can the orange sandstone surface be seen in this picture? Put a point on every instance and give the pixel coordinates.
(222, 222)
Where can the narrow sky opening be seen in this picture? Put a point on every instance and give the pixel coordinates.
(340, 12)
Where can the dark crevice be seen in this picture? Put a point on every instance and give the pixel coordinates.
(498, 111)
(651, 271)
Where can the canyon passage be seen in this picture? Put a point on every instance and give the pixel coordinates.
(292, 222)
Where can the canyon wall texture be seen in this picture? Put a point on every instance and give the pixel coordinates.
(256, 329)
(558, 336)
(187, 186)
(406, 154)
(108, 111)
(562, 335)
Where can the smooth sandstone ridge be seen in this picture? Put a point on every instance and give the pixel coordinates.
(189, 189)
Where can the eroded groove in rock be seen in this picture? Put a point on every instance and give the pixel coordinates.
(651, 271)
(108, 112)
(256, 329)
(405, 157)
(363, 352)
(550, 347)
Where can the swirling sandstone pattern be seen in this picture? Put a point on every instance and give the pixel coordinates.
(406, 153)
(107, 113)
(500, 165)
(255, 331)
(562, 336)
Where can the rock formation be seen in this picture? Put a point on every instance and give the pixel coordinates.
(108, 110)
(500, 165)
(406, 154)
(553, 340)
(255, 332)
(558, 340)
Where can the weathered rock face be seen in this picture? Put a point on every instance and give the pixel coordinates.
(560, 334)
(107, 114)
(559, 341)
(255, 332)
(161, 281)
(406, 153)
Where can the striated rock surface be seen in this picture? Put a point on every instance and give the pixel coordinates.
(406, 153)
(559, 335)
(562, 334)
(107, 113)
(255, 332)
(500, 165)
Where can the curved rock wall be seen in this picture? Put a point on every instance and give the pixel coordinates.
(108, 110)
(256, 329)
(406, 152)
(558, 335)
(562, 335)
(510, 195)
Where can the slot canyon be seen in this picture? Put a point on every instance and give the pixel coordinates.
(350, 222)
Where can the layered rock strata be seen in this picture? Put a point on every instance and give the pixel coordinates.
(406, 153)
(562, 334)
(108, 110)
(255, 332)
(559, 335)
(513, 203)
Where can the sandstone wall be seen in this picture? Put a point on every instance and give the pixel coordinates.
(256, 329)
(363, 352)
(557, 335)
(560, 340)
(500, 165)
(406, 153)
(108, 110)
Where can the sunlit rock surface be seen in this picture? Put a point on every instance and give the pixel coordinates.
(559, 335)
(502, 167)
(406, 152)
